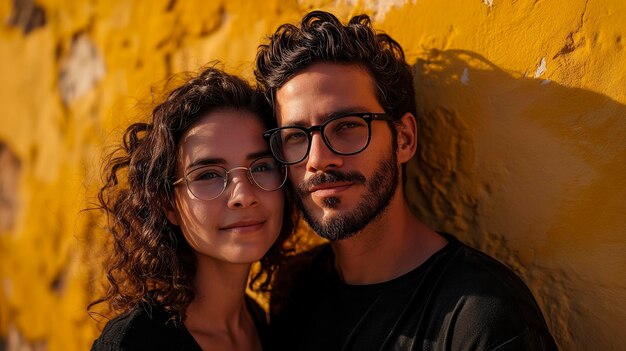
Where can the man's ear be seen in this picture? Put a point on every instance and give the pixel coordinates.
(171, 211)
(407, 137)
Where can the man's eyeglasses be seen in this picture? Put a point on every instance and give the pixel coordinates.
(209, 182)
(345, 134)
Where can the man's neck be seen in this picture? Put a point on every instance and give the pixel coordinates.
(387, 248)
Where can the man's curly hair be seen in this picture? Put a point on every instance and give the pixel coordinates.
(151, 261)
(321, 37)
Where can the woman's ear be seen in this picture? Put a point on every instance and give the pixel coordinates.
(407, 137)
(171, 211)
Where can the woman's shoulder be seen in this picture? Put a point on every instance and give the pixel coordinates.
(144, 327)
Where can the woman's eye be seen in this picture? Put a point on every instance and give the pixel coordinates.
(207, 175)
(262, 167)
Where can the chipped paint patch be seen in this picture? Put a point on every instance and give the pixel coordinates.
(541, 69)
(17, 341)
(9, 179)
(27, 15)
(81, 70)
(465, 76)
(488, 3)
(380, 8)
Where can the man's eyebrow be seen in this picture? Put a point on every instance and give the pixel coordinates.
(343, 111)
(295, 124)
(348, 110)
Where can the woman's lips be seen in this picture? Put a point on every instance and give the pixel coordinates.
(243, 226)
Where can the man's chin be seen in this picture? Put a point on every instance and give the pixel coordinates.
(330, 203)
(325, 209)
(329, 223)
(318, 213)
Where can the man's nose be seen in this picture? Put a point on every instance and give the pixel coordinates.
(321, 157)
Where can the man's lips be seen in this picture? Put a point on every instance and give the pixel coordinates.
(329, 183)
(329, 189)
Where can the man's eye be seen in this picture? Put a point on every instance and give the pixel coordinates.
(294, 137)
(348, 125)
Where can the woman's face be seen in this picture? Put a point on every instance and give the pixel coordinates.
(242, 223)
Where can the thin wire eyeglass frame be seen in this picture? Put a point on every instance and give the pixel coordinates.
(226, 178)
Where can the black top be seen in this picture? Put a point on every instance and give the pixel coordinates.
(149, 327)
(459, 299)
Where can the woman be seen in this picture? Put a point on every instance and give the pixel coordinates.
(193, 199)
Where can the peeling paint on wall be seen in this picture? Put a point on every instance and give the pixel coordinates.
(378, 8)
(27, 15)
(9, 181)
(80, 70)
(17, 342)
(541, 69)
(465, 76)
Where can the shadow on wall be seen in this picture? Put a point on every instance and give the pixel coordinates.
(533, 173)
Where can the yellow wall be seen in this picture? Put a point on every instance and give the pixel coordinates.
(523, 122)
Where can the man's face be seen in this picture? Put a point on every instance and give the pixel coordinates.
(338, 195)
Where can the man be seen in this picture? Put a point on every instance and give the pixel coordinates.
(344, 102)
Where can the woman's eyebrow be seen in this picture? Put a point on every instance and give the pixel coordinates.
(206, 161)
(259, 154)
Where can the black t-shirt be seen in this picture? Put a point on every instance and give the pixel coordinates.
(149, 327)
(459, 299)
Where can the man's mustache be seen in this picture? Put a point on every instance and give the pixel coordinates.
(330, 176)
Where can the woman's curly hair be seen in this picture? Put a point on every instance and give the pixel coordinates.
(151, 261)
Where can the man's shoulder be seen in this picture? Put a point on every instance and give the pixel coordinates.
(482, 299)
(137, 328)
(475, 272)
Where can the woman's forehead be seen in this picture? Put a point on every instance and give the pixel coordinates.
(230, 135)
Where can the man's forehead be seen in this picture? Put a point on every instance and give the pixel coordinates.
(323, 91)
(306, 120)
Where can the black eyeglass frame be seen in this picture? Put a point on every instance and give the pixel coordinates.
(368, 117)
(249, 176)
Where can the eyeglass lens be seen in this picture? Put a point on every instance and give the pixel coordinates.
(344, 135)
(209, 182)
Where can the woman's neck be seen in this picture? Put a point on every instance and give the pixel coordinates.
(217, 317)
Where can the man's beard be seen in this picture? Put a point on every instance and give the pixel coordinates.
(381, 187)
